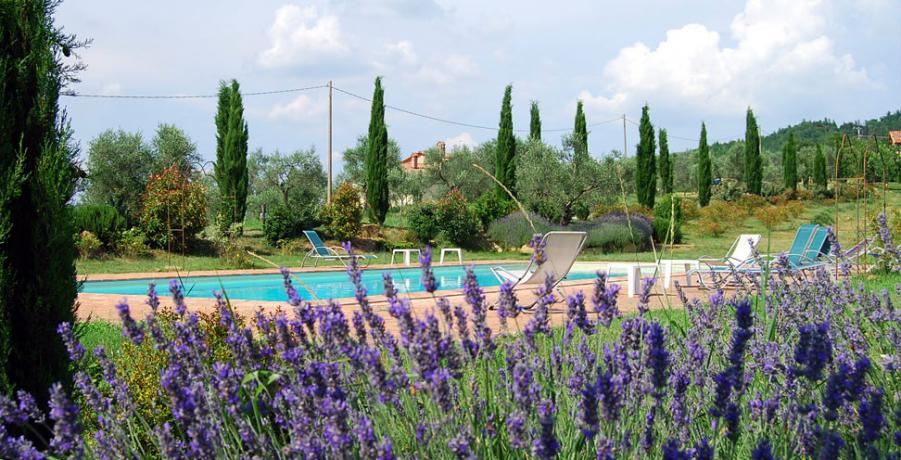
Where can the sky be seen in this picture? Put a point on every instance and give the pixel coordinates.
(691, 61)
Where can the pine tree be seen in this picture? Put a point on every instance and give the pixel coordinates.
(645, 167)
(580, 136)
(753, 163)
(38, 284)
(505, 155)
(666, 166)
(376, 163)
(705, 176)
(231, 154)
(535, 122)
(790, 163)
(819, 169)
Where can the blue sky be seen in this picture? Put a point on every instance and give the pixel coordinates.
(691, 61)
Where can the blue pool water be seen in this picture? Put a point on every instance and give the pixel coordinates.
(331, 284)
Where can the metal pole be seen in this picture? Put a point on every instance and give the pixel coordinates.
(328, 195)
(625, 152)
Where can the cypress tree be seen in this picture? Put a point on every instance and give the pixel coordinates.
(645, 167)
(505, 153)
(790, 163)
(753, 163)
(666, 166)
(376, 163)
(37, 179)
(535, 122)
(580, 136)
(704, 172)
(231, 154)
(819, 169)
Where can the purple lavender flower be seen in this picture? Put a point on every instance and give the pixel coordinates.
(428, 277)
(657, 359)
(831, 445)
(872, 421)
(67, 440)
(74, 347)
(537, 243)
(604, 449)
(546, 445)
(762, 451)
(813, 351)
(672, 450)
(516, 429)
(587, 415)
(644, 296)
(609, 393)
(476, 300)
(178, 297)
(442, 389)
(507, 304)
(732, 417)
(703, 450)
(130, 328)
(604, 300)
(576, 313)
(460, 446)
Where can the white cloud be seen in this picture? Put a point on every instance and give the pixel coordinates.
(301, 108)
(301, 36)
(782, 48)
(463, 139)
(110, 89)
(451, 69)
(404, 52)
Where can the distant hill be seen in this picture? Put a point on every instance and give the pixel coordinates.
(820, 132)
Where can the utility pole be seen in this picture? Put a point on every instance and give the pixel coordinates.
(328, 195)
(625, 152)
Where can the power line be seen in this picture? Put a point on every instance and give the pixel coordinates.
(184, 96)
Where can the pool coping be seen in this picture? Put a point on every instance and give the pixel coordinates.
(271, 271)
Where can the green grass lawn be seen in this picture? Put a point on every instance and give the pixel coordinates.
(694, 243)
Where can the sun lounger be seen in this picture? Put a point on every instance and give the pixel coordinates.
(322, 252)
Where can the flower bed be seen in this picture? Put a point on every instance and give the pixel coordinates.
(804, 367)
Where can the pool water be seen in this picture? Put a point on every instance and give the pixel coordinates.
(330, 284)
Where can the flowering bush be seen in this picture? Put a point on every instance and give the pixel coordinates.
(792, 371)
(343, 218)
(172, 201)
(88, 245)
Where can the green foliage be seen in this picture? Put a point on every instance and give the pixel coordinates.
(101, 220)
(343, 218)
(667, 223)
(490, 207)
(753, 164)
(284, 223)
(705, 178)
(355, 162)
(534, 122)
(132, 244)
(552, 183)
(376, 164)
(645, 168)
(824, 218)
(119, 165)
(231, 155)
(423, 222)
(172, 146)
(514, 231)
(456, 171)
(580, 136)
(458, 224)
(88, 245)
(38, 284)
(666, 166)
(611, 238)
(172, 201)
(295, 182)
(790, 163)
(505, 157)
(820, 177)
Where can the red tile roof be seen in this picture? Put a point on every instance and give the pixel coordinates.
(895, 137)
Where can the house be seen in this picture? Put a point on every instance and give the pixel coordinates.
(894, 137)
(417, 162)
(414, 162)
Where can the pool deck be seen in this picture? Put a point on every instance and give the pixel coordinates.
(103, 306)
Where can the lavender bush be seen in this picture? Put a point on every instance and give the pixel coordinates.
(808, 368)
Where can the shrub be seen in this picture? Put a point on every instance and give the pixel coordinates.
(727, 190)
(132, 243)
(718, 216)
(172, 202)
(343, 218)
(617, 207)
(613, 238)
(423, 222)
(823, 218)
(749, 202)
(489, 207)
(283, 224)
(668, 224)
(88, 245)
(690, 208)
(458, 224)
(613, 232)
(102, 220)
(514, 231)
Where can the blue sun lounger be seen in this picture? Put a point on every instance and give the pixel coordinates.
(322, 252)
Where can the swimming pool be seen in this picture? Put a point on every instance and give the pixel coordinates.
(328, 284)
